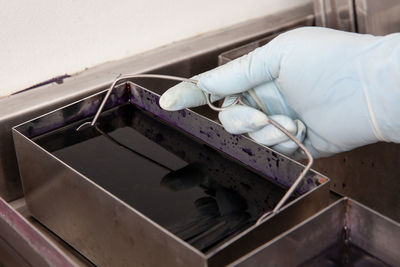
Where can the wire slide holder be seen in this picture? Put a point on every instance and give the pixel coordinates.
(238, 101)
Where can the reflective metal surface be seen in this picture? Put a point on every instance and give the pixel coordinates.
(346, 222)
(377, 17)
(21, 245)
(368, 174)
(242, 50)
(335, 14)
(110, 232)
(363, 16)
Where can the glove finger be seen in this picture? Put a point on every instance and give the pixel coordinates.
(270, 135)
(260, 66)
(289, 147)
(273, 100)
(184, 95)
(242, 119)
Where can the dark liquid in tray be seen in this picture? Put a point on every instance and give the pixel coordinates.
(346, 255)
(175, 180)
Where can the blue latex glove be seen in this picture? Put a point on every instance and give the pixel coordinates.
(345, 87)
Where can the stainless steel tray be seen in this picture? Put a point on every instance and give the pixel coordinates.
(346, 233)
(107, 230)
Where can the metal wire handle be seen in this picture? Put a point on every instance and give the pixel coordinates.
(237, 101)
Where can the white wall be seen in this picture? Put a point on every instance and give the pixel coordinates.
(42, 39)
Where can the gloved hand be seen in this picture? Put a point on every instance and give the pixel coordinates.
(345, 87)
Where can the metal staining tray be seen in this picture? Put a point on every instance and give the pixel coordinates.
(156, 188)
(346, 233)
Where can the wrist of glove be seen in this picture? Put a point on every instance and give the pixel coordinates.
(333, 90)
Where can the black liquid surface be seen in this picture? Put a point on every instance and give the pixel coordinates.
(346, 255)
(175, 180)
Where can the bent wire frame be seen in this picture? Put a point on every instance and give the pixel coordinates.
(237, 101)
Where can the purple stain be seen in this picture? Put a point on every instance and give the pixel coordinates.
(204, 133)
(182, 113)
(248, 151)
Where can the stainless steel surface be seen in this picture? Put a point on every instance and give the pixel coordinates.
(377, 17)
(343, 221)
(22, 245)
(236, 52)
(369, 174)
(363, 16)
(108, 231)
(335, 14)
(185, 58)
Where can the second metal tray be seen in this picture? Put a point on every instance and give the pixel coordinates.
(346, 233)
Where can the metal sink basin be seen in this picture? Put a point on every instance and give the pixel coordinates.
(344, 234)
